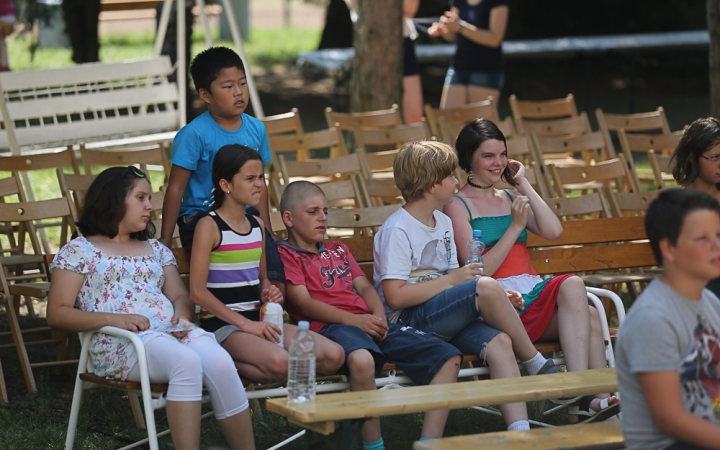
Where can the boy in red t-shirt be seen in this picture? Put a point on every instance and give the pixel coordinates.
(325, 286)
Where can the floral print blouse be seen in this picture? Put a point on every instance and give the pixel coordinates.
(122, 285)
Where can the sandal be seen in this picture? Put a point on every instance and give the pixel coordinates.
(550, 367)
(582, 409)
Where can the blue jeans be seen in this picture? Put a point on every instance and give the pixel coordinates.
(453, 316)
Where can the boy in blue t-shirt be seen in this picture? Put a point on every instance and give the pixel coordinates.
(219, 77)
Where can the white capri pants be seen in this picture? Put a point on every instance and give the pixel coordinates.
(186, 367)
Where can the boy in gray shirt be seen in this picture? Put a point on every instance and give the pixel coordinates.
(668, 348)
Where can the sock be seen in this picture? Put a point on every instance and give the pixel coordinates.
(533, 365)
(519, 425)
(377, 445)
(428, 439)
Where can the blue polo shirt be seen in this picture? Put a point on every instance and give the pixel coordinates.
(194, 149)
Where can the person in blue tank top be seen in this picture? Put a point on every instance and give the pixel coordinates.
(555, 308)
(477, 70)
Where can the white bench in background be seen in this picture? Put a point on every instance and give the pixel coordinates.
(88, 102)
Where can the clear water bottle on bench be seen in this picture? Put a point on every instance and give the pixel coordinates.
(301, 368)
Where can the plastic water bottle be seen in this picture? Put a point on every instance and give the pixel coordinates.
(273, 313)
(301, 367)
(475, 248)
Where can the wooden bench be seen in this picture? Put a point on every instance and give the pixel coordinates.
(598, 436)
(320, 415)
(87, 102)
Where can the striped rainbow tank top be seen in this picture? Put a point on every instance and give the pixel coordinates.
(233, 275)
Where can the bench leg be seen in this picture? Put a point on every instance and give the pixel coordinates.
(346, 436)
(137, 411)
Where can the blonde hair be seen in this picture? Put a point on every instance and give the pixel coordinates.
(421, 165)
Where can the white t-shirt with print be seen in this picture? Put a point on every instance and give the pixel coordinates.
(406, 249)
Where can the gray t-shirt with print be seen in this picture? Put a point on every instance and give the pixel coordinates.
(665, 331)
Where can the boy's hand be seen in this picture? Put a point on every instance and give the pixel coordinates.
(271, 294)
(466, 273)
(373, 326)
(265, 330)
(515, 299)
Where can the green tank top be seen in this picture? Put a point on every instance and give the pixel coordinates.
(493, 228)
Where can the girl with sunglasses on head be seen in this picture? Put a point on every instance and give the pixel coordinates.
(555, 308)
(696, 164)
(115, 274)
(228, 270)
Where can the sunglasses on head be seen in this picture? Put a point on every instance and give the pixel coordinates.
(135, 171)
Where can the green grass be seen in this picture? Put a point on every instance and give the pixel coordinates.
(264, 48)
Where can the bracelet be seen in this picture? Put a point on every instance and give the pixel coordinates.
(463, 24)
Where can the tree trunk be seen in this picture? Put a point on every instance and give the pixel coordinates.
(377, 70)
(713, 24)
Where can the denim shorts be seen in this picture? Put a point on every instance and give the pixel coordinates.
(416, 353)
(491, 80)
(453, 316)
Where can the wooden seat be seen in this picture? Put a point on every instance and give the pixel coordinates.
(662, 168)
(393, 138)
(524, 110)
(16, 281)
(302, 144)
(20, 166)
(598, 436)
(662, 144)
(383, 118)
(369, 219)
(645, 122)
(74, 187)
(630, 203)
(593, 205)
(590, 177)
(378, 192)
(450, 130)
(126, 156)
(463, 115)
(283, 123)
(592, 147)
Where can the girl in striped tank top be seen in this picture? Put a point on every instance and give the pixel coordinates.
(228, 277)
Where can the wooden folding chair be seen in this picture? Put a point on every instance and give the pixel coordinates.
(376, 164)
(567, 126)
(9, 187)
(662, 168)
(383, 118)
(23, 164)
(630, 203)
(589, 206)
(463, 115)
(643, 143)
(283, 123)
(126, 156)
(326, 173)
(590, 177)
(393, 138)
(523, 110)
(451, 130)
(653, 121)
(15, 281)
(379, 191)
(74, 187)
(302, 144)
(368, 219)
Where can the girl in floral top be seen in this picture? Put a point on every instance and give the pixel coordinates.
(115, 275)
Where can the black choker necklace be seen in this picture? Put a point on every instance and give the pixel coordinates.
(477, 186)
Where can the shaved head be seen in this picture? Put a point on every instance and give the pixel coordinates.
(296, 193)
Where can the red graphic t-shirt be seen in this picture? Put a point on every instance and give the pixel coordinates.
(328, 276)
